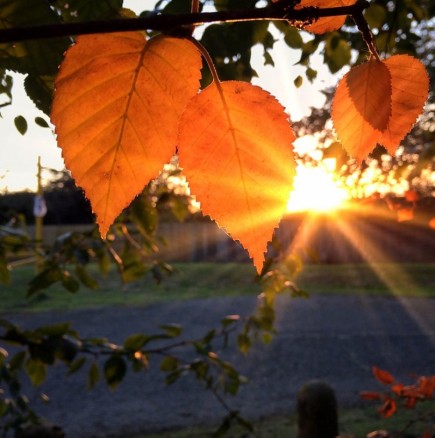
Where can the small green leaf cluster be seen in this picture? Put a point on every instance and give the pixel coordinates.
(45, 346)
(13, 242)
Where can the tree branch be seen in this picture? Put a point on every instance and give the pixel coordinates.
(166, 23)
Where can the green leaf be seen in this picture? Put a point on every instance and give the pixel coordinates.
(311, 74)
(169, 364)
(293, 38)
(21, 124)
(93, 375)
(69, 282)
(67, 350)
(41, 122)
(54, 329)
(4, 407)
(44, 280)
(17, 361)
(172, 330)
(86, 279)
(337, 52)
(180, 208)
(375, 15)
(144, 216)
(83, 10)
(174, 376)
(76, 365)
(136, 341)
(244, 342)
(268, 60)
(114, 370)
(40, 90)
(39, 59)
(298, 81)
(177, 7)
(36, 370)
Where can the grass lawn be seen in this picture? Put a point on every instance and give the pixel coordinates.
(203, 280)
(357, 422)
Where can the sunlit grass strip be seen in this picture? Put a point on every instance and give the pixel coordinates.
(209, 280)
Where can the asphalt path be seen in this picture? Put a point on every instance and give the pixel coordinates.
(333, 338)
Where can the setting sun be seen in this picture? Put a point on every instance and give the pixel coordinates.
(315, 189)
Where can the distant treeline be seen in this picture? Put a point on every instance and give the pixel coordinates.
(66, 204)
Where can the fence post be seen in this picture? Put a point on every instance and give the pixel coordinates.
(317, 411)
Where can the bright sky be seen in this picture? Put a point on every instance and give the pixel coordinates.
(19, 154)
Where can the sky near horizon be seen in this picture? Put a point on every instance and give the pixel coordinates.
(19, 153)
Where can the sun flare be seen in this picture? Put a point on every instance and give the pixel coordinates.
(316, 189)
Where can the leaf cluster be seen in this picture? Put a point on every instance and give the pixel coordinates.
(407, 395)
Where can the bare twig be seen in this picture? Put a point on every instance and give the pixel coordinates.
(167, 23)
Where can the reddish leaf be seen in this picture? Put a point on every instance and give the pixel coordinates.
(426, 386)
(361, 107)
(370, 90)
(388, 408)
(405, 214)
(397, 389)
(412, 196)
(383, 376)
(326, 24)
(235, 148)
(410, 89)
(410, 402)
(116, 109)
(371, 395)
(363, 99)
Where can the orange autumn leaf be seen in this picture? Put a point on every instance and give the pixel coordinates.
(116, 109)
(325, 24)
(405, 214)
(382, 376)
(410, 89)
(235, 149)
(412, 196)
(361, 107)
(388, 408)
(359, 118)
(371, 395)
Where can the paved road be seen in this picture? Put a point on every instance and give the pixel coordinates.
(336, 339)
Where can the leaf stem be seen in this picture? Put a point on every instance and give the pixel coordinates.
(208, 60)
(166, 22)
(363, 27)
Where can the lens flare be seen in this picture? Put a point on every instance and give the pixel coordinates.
(316, 189)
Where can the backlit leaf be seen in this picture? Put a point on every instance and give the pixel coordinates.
(383, 376)
(388, 408)
(379, 102)
(361, 107)
(116, 110)
(326, 24)
(410, 89)
(235, 148)
(370, 91)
